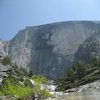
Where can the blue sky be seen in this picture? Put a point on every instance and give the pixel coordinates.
(17, 14)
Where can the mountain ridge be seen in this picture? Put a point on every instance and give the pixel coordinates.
(49, 49)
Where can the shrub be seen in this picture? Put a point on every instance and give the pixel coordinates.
(18, 91)
(39, 79)
(28, 83)
(1, 93)
(41, 93)
(44, 93)
(6, 61)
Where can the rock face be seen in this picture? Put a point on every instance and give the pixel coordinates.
(90, 48)
(3, 69)
(49, 49)
(2, 53)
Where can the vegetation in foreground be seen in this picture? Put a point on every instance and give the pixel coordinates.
(80, 74)
(18, 85)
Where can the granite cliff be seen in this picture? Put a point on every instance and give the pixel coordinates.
(49, 49)
(89, 49)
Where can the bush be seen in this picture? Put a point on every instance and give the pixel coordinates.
(44, 93)
(41, 93)
(1, 93)
(28, 83)
(17, 91)
(39, 79)
(6, 61)
(12, 89)
(71, 75)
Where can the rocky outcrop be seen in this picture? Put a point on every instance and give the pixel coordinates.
(90, 48)
(4, 69)
(2, 53)
(49, 49)
(90, 91)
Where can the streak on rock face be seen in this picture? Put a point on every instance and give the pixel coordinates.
(49, 49)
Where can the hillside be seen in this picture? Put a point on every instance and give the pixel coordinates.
(17, 84)
(86, 67)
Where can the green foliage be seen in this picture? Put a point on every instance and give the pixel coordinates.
(39, 79)
(71, 75)
(41, 93)
(15, 90)
(6, 61)
(80, 70)
(30, 73)
(44, 94)
(77, 71)
(23, 71)
(80, 74)
(95, 62)
(1, 93)
(28, 83)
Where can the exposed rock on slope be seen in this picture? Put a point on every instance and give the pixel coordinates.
(3, 71)
(49, 49)
(90, 48)
(2, 53)
(89, 91)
